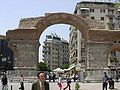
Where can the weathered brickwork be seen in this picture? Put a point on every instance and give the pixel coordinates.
(29, 22)
(94, 25)
(97, 59)
(104, 35)
(25, 53)
(97, 54)
(24, 41)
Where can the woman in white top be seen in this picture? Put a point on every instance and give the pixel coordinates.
(22, 82)
(60, 82)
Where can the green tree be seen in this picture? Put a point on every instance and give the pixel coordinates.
(43, 67)
(64, 66)
(117, 4)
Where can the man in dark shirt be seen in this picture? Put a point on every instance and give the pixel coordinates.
(4, 82)
(41, 84)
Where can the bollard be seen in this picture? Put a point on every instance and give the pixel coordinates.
(11, 87)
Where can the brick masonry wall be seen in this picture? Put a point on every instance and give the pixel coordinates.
(25, 53)
(29, 22)
(97, 59)
(97, 55)
(94, 24)
(24, 40)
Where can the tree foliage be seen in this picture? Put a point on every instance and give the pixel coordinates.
(64, 66)
(117, 4)
(43, 67)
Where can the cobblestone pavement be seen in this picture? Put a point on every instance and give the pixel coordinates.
(54, 86)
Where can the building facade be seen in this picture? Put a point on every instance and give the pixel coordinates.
(105, 12)
(82, 54)
(55, 51)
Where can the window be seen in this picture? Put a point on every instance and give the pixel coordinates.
(102, 10)
(115, 41)
(92, 17)
(102, 18)
(91, 10)
(110, 11)
(110, 19)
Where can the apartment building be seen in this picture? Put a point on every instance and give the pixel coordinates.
(105, 12)
(55, 51)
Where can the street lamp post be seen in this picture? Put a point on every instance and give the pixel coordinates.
(78, 70)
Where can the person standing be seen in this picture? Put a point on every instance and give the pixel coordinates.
(40, 84)
(60, 81)
(111, 84)
(4, 82)
(21, 82)
(105, 80)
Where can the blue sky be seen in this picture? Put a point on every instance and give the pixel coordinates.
(11, 11)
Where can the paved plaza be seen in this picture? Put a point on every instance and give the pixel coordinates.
(54, 86)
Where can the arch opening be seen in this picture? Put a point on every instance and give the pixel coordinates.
(56, 30)
(63, 18)
(114, 60)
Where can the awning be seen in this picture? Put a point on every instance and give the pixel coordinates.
(118, 10)
(58, 70)
(71, 67)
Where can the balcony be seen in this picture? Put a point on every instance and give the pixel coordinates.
(111, 22)
(84, 11)
(84, 14)
(110, 15)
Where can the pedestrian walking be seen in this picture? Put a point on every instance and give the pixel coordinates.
(60, 81)
(40, 84)
(49, 76)
(105, 81)
(4, 82)
(75, 77)
(68, 84)
(21, 82)
(54, 77)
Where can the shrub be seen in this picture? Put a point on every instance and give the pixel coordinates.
(77, 86)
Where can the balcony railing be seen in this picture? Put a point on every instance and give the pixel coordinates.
(110, 15)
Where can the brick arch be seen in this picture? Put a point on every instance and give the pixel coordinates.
(63, 18)
(25, 40)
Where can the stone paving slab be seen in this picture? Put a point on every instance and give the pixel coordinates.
(54, 86)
